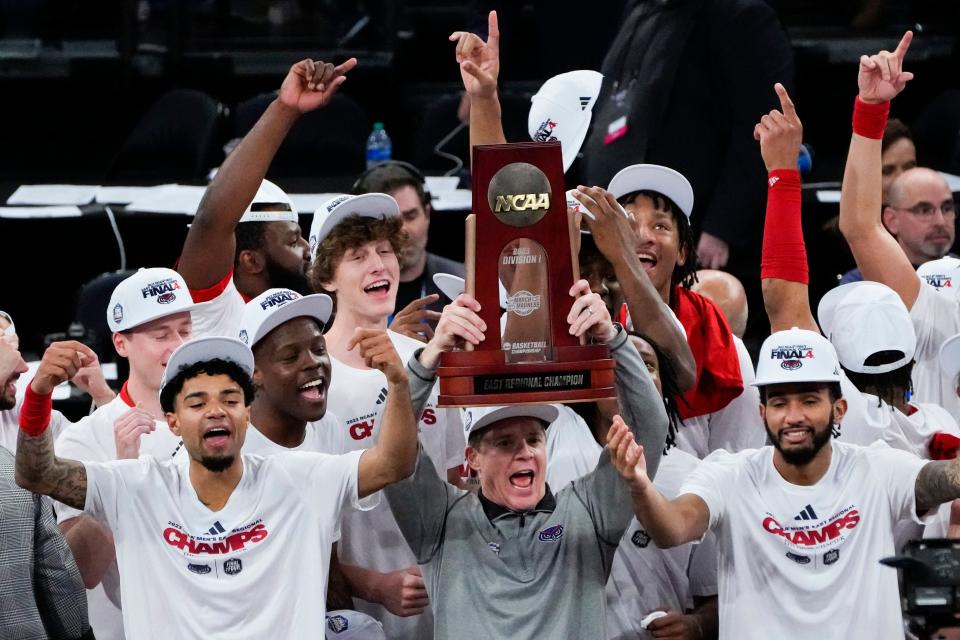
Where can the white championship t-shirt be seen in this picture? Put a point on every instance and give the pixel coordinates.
(92, 440)
(735, 427)
(803, 561)
(935, 318)
(321, 436)
(645, 578)
(372, 539)
(10, 425)
(221, 317)
(255, 569)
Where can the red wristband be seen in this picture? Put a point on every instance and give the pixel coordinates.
(784, 255)
(869, 120)
(35, 413)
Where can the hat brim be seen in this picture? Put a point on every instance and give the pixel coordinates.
(367, 205)
(204, 350)
(452, 286)
(653, 177)
(547, 413)
(317, 306)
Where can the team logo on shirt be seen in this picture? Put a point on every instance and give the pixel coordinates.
(233, 566)
(337, 623)
(551, 534)
(831, 556)
(162, 290)
(939, 281)
(199, 569)
(544, 132)
(792, 356)
(215, 544)
(799, 559)
(118, 313)
(640, 538)
(812, 534)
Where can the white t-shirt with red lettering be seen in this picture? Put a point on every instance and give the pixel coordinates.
(221, 317)
(92, 440)
(257, 568)
(935, 318)
(803, 561)
(372, 539)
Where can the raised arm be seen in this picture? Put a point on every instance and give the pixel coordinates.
(479, 69)
(394, 456)
(208, 251)
(937, 482)
(38, 469)
(783, 271)
(669, 522)
(613, 235)
(879, 257)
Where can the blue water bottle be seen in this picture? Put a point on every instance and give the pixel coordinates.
(379, 148)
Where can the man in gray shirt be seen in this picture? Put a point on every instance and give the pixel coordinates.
(516, 560)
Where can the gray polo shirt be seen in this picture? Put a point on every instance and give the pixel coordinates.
(496, 573)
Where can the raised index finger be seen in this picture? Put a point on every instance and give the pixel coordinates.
(493, 31)
(901, 49)
(343, 67)
(786, 104)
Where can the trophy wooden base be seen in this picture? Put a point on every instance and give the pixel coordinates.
(482, 378)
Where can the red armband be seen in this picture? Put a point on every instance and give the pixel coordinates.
(869, 120)
(35, 413)
(784, 253)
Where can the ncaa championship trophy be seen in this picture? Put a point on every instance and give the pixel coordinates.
(520, 224)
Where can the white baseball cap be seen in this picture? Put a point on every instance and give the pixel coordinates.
(864, 318)
(271, 204)
(273, 307)
(333, 211)
(561, 110)
(796, 355)
(147, 295)
(206, 349)
(452, 286)
(653, 177)
(478, 418)
(943, 275)
(346, 624)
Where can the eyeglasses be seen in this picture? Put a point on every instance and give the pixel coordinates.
(925, 210)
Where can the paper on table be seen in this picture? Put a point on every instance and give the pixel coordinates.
(25, 213)
(124, 195)
(60, 392)
(442, 184)
(169, 198)
(53, 194)
(456, 200)
(828, 195)
(310, 202)
(952, 181)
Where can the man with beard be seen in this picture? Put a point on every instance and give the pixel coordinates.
(418, 298)
(229, 537)
(245, 237)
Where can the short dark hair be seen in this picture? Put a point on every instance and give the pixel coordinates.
(684, 275)
(891, 386)
(391, 176)
(213, 367)
(894, 131)
(833, 389)
(249, 237)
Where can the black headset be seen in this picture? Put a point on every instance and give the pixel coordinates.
(415, 174)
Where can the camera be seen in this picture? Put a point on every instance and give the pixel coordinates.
(930, 571)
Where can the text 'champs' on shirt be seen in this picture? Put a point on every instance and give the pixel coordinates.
(255, 569)
(803, 561)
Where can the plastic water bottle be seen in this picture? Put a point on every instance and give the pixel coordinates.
(379, 148)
